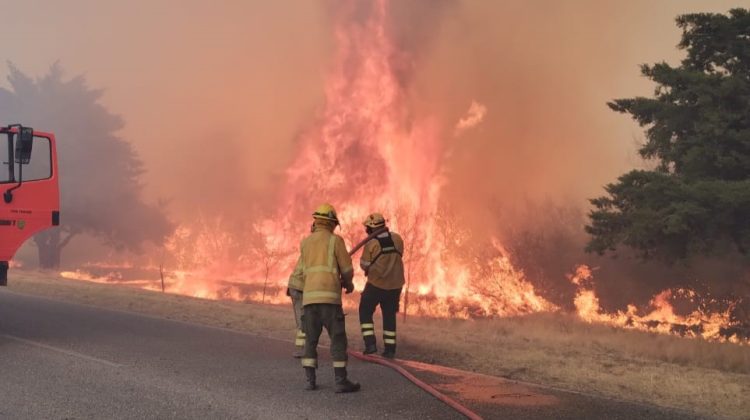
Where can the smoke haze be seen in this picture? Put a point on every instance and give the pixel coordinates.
(214, 97)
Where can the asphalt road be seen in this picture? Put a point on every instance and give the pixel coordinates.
(60, 360)
(68, 361)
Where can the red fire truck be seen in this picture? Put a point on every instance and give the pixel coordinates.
(29, 188)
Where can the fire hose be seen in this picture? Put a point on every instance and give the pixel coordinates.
(418, 382)
(362, 243)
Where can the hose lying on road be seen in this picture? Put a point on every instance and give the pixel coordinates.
(425, 386)
(379, 360)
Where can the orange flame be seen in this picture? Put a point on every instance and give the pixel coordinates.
(662, 317)
(368, 153)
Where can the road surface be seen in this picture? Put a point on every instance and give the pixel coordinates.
(66, 361)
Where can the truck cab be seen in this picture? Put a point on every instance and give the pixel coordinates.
(29, 190)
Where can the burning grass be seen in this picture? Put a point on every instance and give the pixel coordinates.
(504, 293)
(710, 378)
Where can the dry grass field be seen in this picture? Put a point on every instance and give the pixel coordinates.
(550, 349)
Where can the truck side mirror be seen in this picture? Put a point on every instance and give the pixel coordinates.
(24, 144)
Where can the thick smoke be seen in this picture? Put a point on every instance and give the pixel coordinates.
(542, 72)
(216, 98)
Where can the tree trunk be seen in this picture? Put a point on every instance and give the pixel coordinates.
(265, 283)
(49, 246)
(406, 294)
(49, 257)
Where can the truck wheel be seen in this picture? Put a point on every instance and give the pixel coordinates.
(3, 273)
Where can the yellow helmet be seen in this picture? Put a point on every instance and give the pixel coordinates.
(375, 220)
(326, 212)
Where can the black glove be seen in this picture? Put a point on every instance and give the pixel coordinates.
(349, 288)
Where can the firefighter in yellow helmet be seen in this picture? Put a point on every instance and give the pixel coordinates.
(326, 268)
(382, 263)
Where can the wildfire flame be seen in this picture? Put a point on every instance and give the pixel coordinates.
(368, 153)
(661, 318)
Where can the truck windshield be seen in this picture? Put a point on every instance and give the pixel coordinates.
(40, 166)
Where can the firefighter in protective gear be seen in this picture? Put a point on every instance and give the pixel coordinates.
(382, 263)
(294, 289)
(326, 268)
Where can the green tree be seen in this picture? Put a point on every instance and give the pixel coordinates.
(99, 171)
(697, 200)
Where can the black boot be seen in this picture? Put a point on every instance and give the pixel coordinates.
(370, 344)
(310, 374)
(343, 384)
(390, 351)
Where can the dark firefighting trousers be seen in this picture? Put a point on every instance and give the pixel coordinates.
(389, 301)
(315, 317)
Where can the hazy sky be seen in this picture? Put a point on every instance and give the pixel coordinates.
(216, 91)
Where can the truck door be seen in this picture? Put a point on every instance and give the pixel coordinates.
(29, 192)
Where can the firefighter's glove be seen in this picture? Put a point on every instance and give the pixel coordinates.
(349, 288)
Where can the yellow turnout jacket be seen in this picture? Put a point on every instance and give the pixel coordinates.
(323, 259)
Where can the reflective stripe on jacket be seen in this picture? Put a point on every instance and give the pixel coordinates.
(324, 257)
